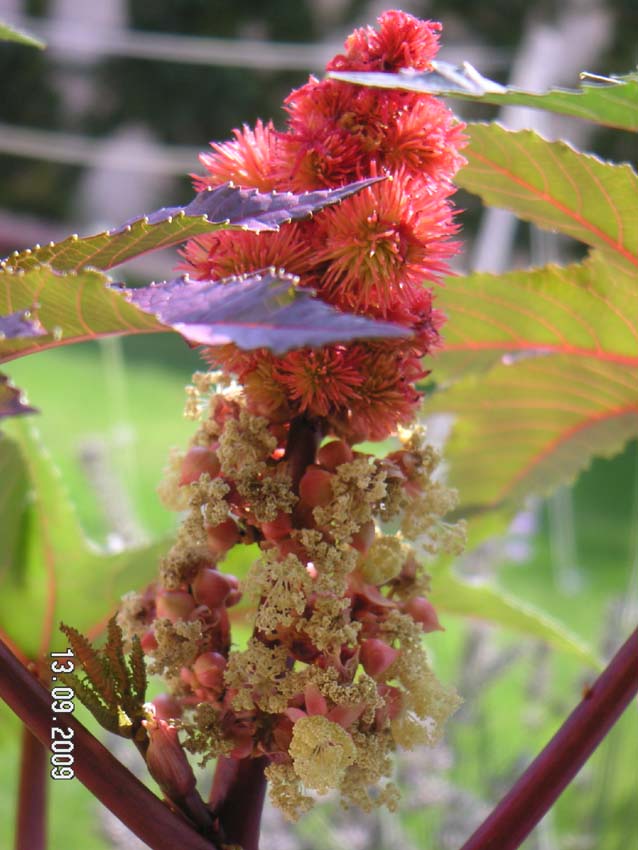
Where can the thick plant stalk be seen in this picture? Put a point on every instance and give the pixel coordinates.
(237, 799)
(108, 780)
(549, 774)
(32, 795)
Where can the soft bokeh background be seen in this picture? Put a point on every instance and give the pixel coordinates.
(103, 126)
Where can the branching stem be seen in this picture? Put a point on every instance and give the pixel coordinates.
(108, 780)
(548, 775)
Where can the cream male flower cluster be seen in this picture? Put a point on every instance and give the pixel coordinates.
(334, 676)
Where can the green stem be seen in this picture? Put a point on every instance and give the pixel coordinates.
(32, 795)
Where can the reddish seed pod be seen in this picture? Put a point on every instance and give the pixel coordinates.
(333, 454)
(423, 612)
(199, 460)
(376, 656)
(174, 604)
(315, 487)
(222, 537)
(209, 669)
(210, 587)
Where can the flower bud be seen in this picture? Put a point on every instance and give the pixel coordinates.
(376, 656)
(166, 760)
(148, 642)
(209, 668)
(210, 587)
(315, 700)
(197, 461)
(279, 528)
(315, 487)
(166, 707)
(364, 538)
(235, 594)
(333, 454)
(174, 605)
(422, 611)
(222, 537)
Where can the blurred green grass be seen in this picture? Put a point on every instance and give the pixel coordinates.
(128, 396)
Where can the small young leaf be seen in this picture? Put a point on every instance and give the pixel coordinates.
(226, 207)
(610, 101)
(138, 678)
(97, 672)
(12, 400)
(113, 653)
(260, 310)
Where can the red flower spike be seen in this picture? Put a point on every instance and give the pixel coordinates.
(402, 41)
(246, 161)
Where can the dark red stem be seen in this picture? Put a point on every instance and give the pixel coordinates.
(548, 775)
(108, 780)
(303, 441)
(32, 794)
(237, 799)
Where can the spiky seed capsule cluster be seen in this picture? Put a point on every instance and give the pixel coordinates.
(370, 255)
(335, 676)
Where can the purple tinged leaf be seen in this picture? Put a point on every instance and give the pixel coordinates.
(20, 324)
(226, 207)
(251, 209)
(261, 310)
(12, 400)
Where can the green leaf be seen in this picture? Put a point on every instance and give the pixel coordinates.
(545, 364)
(225, 208)
(8, 33)
(262, 309)
(557, 188)
(587, 311)
(610, 101)
(72, 307)
(451, 595)
(14, 500)
(527, 427)
(51, 572)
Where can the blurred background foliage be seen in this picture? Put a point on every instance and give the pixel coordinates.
(111, 410)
